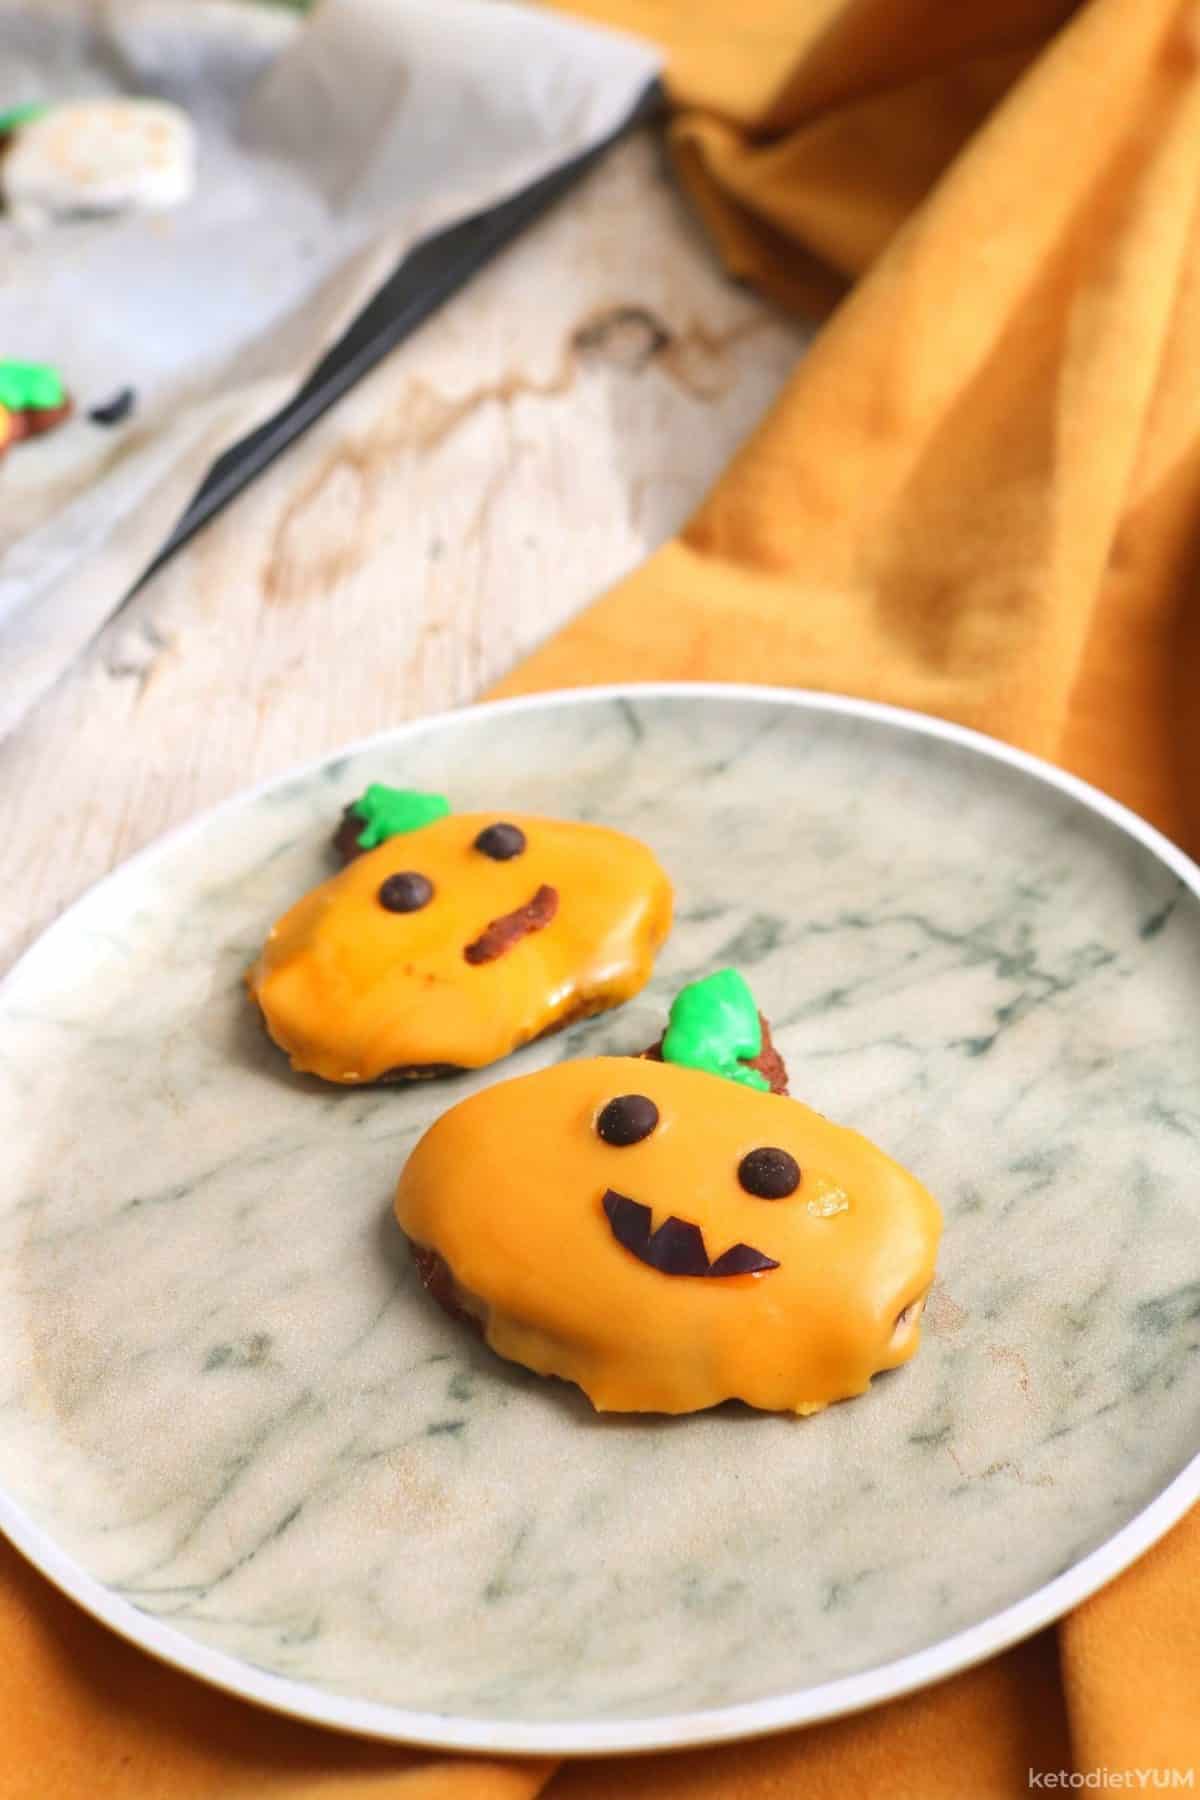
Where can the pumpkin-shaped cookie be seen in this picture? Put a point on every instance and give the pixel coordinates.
(668, 1237)
(104, 154)
(451, 939)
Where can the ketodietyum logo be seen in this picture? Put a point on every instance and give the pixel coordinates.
(1133, 1780)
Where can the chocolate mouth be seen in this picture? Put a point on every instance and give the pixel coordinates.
(677, 1247)
(504, 932)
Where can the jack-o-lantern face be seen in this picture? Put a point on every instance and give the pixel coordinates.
(669, 1239)
(448, 945)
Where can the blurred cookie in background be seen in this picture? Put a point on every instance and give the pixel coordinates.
(33, 399)
(88, 157)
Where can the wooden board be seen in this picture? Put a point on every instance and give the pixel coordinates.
(544, 432)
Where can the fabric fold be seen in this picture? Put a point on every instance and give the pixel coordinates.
(943, 508)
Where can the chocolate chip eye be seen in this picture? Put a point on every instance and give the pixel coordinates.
(769, 1174)
(406, 892)
(627, 1120)
(501, 842)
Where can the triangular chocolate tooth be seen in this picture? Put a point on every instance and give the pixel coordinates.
(742, 1259)
(677, 1248)
(630, 1222)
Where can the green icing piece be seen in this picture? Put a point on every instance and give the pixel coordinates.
(387, 812)
(30, 387)
(714, 1026)
(12, 116)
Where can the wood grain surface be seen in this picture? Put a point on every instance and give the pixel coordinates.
(538, 437)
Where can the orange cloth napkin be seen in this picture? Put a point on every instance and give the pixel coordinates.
(980, 496)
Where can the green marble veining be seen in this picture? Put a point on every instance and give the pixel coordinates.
(222, 1388)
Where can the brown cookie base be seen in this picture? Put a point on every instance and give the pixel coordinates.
(440, 1284)
(411, 1072)
(35, 421)
(345, 839)
(768, 1062)
(434, 1071)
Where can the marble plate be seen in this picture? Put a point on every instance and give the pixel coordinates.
(234, 1428)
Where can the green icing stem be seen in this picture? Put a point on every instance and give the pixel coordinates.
(12, 116)
(30, 387)
(714, 1026)
(388, 812)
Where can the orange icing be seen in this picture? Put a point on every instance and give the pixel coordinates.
(508, 1187)
(351, 990)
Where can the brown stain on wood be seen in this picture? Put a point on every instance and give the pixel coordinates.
(136, 656)
(305, 558)
(633, 338)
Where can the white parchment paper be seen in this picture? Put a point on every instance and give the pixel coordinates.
(326, 149)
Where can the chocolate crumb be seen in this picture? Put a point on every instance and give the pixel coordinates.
(116, 410)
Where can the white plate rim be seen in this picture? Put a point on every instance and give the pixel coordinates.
(670, 1731)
